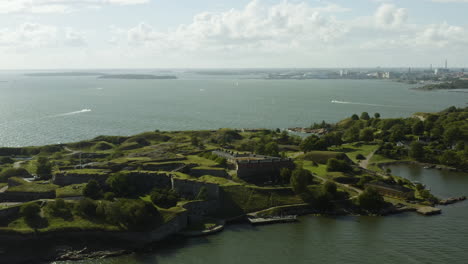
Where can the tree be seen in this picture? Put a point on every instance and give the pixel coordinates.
(272, 149)
(355, 117)
(313, 142)
(418, 128)
(285, 175)
(120, 184)
(44, 168)
(165, 198)
(58, 208)
(30, 211)
(86, 207)
(416, 150)
(451, 135)
(398, 133)
(337, 165)
(92, 190)
(300, 178)
(376, 115)
(351, 134)
(366, 134)
(450, 158)
(365, 116)
(330, 187)
(371, 200)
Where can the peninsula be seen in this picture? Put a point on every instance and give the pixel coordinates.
(143, 188)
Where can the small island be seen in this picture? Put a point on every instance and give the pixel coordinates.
(137, 76)
(62, 74)
(129, 191)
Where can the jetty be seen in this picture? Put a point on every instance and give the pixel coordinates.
(427, 210)
(272, 219)
(452, 200)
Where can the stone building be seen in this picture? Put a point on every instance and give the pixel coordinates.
(254, 168)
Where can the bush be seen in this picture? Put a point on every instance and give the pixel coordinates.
(337, 165)
(371, 200)
(6, 160)
(86, 207)
(109, 196)
(360, 157)
(133, 214)
(58, 208)
(164, 198)
(44, 168)
(92, 190)
(30, 211)
(300, 178)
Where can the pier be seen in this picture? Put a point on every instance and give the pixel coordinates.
(272, 220)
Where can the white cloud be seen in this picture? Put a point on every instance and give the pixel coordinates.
(58, 6)
(388, 15)
(256, 27)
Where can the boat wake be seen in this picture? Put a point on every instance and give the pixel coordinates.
(356, 103)
(74, 113)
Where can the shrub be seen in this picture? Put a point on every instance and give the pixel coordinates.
(58, 208)
(300, 178)
(360, 157)
(92, 190)
(30, 211)
(44, 168)
(371, 200)
(164, 198)
(6, 160)
(86, 207)
(337, 165)
(109, 196)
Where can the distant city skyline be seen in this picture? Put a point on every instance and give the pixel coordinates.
(151, 34)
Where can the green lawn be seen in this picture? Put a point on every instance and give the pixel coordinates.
(351, 150)
(33, 187)
(70, 190)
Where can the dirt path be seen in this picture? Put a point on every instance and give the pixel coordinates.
(365, 163)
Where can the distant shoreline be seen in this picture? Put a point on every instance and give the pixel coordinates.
(103, 75)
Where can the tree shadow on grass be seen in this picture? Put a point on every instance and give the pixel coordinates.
(37, 222)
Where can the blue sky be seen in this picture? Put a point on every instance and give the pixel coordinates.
(45, 34)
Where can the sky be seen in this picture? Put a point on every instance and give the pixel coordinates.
(93, 34)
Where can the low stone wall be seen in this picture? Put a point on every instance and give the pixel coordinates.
(161, 167)
(191, 189)
(66, 178)
(9, 213)
(198, 209)
(214, 172)
(25, 196)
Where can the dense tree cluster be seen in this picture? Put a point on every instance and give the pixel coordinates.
(164, 198)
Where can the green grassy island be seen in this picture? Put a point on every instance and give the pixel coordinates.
(148, 186)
